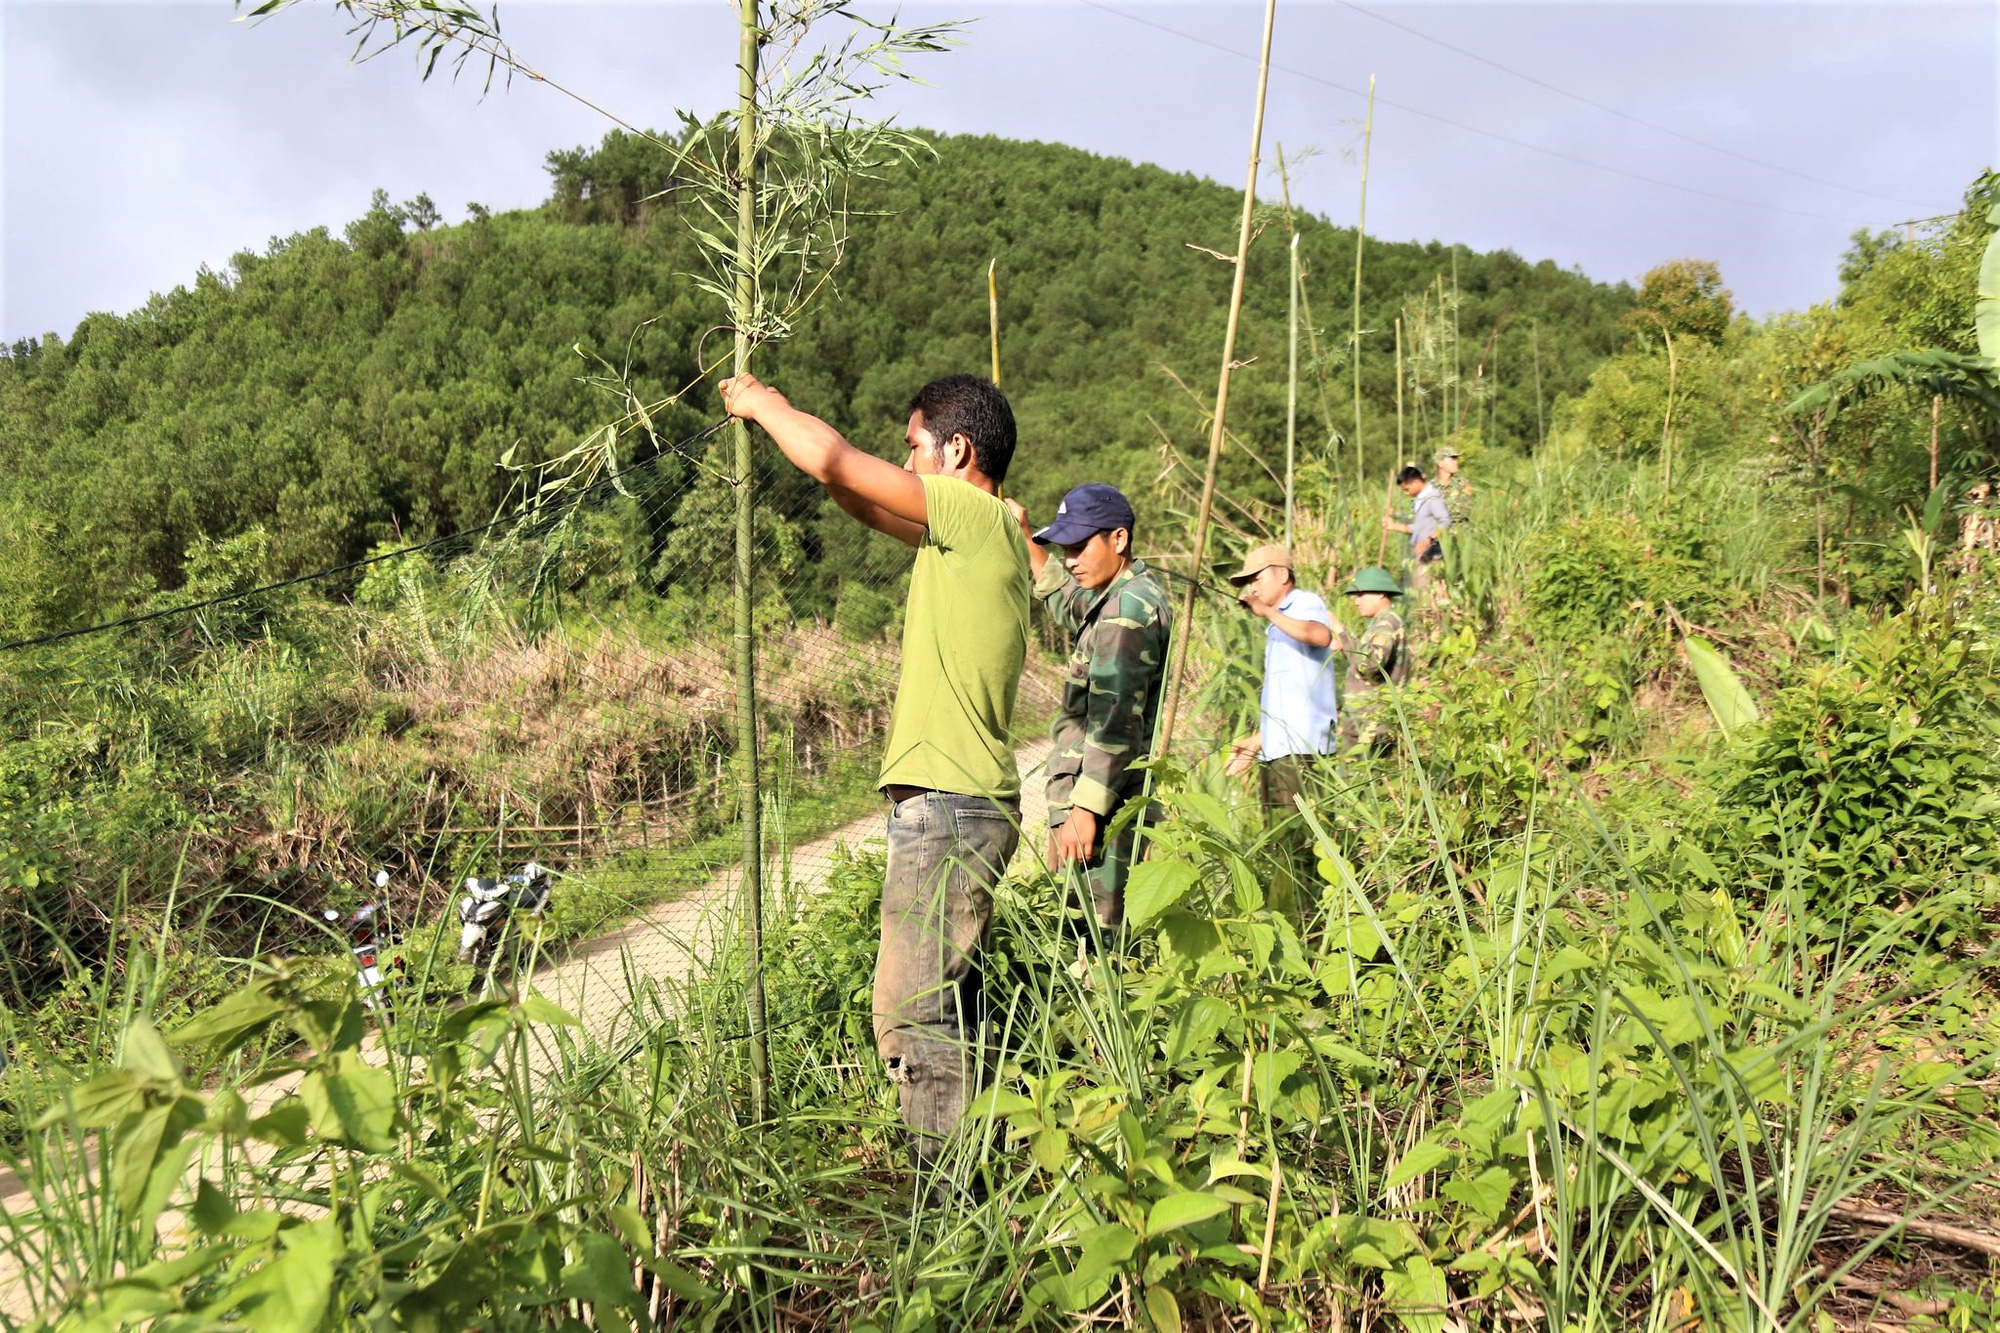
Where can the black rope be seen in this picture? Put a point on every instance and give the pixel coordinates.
(609, 479)
(1232, 594)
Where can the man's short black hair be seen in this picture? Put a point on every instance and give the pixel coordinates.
(975, 408)
(1410, 472)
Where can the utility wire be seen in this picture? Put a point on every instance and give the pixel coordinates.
(1470, 129)
(1655, 126)
(608, 479)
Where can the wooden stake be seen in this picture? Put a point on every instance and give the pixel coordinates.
(1360, 238)
(1937, 401)
(1270, 1225)
(1185, 634)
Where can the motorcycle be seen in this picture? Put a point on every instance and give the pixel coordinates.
(486, 905)
(367, 930)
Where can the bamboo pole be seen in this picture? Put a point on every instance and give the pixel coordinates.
(993, 313)
(1169, 713)
(1541, 431)
(1360, 239)
(1312, 330)
(1667, 425)
(1457, 361)
(1490, 434)
(1292, 394)
(1400, 451)
(748, 789)
(1389, 496)
(1937, 401)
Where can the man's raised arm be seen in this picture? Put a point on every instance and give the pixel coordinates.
(887, 498)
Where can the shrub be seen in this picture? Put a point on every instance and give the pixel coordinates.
(1880, 765)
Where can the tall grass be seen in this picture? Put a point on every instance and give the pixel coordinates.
(1521, 1076)
(1557, 1040)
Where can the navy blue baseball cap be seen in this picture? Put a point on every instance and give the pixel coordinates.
(1093, 507)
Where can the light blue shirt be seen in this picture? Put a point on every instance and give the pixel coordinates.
(1430, 518)
(1298, 707)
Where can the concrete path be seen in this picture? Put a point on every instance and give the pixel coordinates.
(658, 950)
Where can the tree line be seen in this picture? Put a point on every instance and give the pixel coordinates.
(343, 391)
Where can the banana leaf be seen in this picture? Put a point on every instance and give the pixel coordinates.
(1727, 699)
(1986, 310)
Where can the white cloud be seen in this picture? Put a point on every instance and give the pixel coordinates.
(142, 140)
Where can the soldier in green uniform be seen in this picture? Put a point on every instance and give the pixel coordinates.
(1453, 486)
(1377, 659)
(1119, 618)
(1457, 494)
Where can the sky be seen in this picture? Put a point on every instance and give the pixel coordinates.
(141, 141)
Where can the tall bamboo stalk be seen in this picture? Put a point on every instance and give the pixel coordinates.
(1937, 401)
(1360, 239)
(993, 313)
(1312, 330)
(1399, 394)
(1292, 393)
(749, 794)
(1389, 498)
(1541, 431)
(1493, 388)
(1170, 710)
(1457, 362)
(1667, 424)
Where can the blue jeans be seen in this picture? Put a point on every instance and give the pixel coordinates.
(946, 851)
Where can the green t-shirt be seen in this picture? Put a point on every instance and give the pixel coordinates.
(965, 640)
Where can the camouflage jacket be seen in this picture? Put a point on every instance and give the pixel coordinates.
(1379, 657)
(1111, 690)
(1457, 495)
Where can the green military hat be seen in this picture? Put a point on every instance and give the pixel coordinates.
(1449, 451)
(1374, 579)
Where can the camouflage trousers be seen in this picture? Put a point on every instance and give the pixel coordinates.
(946, 852)
(1103, 876)
(1429, 586)
(1366, 731)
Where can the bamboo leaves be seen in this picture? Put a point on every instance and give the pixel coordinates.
(1727, 699)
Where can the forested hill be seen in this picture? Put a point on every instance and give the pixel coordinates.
(344, 390)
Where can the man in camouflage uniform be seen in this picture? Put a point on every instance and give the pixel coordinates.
(1378, 660)
(1118, 617)
(1452, 485)
(1456, 492)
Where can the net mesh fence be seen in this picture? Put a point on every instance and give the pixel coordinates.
(559, 688)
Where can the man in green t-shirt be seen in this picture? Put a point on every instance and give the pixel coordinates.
(948, 766)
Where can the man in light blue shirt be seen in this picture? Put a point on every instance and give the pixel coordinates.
(1296, 709)
(1429, 519)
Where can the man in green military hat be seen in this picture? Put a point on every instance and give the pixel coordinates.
(1378, 660)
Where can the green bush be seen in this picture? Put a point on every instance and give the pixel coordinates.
(1882, 765)
(1587, 577)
